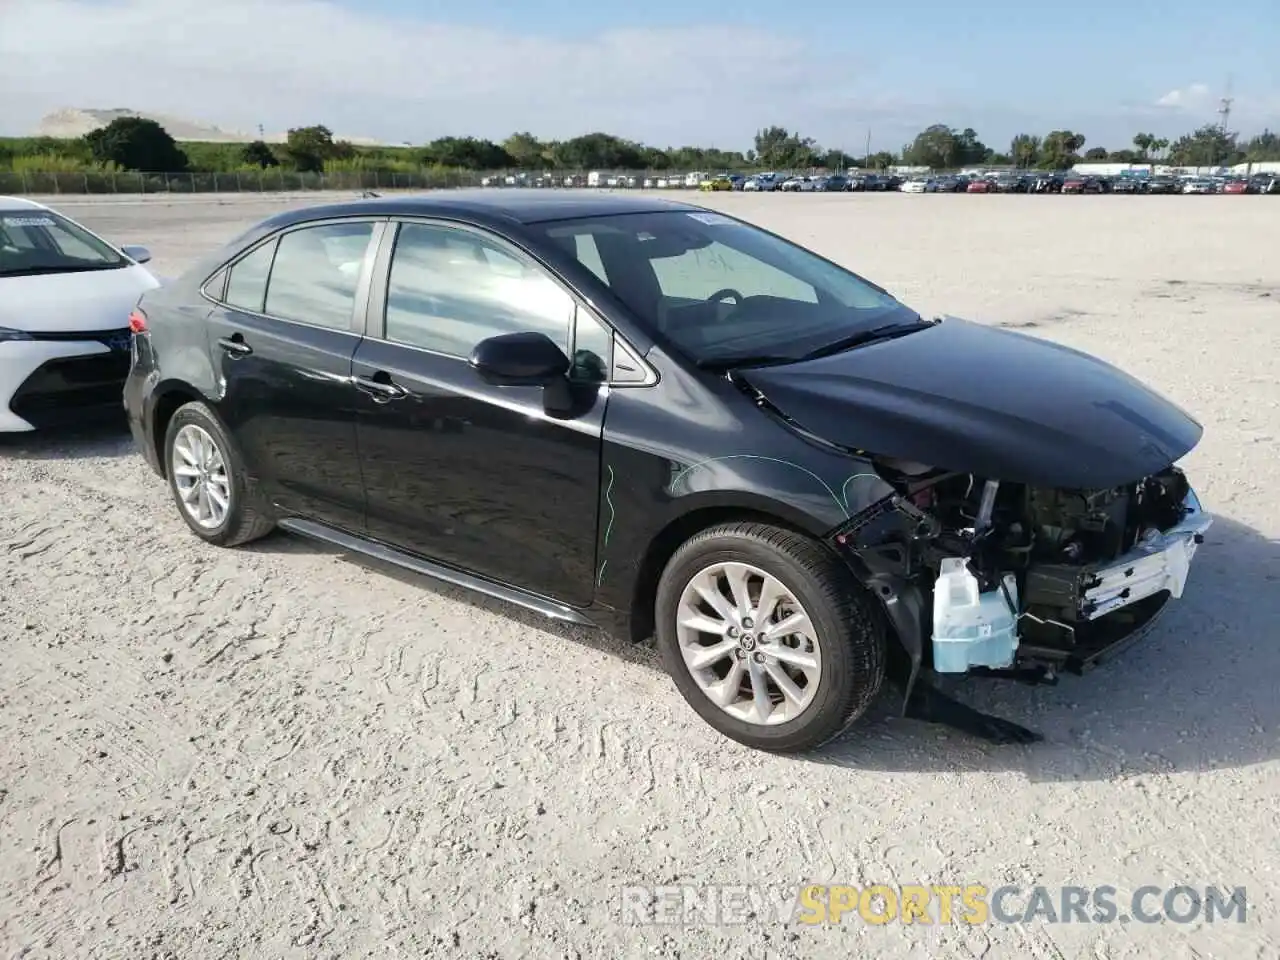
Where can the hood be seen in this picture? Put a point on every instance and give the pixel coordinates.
(968, 397)
(65, 302)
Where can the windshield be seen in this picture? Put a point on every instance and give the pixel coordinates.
(34, 241)
(720, 289)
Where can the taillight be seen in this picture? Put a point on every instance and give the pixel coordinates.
(138, 322)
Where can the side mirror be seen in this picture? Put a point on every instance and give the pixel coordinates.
(519, 359)
(136, 253)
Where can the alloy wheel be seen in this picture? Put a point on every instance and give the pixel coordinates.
(200, 476)
(748, 643)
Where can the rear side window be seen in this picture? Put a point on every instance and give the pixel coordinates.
(247, 281)
(314, 275)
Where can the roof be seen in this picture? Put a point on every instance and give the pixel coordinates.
(21, 203)
(512, 204)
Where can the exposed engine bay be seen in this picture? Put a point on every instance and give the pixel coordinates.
(1022, 581)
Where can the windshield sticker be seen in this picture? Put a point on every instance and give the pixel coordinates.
(714, 219)
(29, 222)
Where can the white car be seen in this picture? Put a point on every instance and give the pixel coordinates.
(913, 186)
(65, 299)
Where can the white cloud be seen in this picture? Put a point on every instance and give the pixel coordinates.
(238, 63)
(1195, 96)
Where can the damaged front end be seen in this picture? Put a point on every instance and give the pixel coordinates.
(1006, 579)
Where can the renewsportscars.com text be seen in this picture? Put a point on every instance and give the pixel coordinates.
(964, 904)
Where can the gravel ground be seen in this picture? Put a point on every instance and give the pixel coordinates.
(278, 752)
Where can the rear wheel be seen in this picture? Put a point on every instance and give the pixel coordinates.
(768, 637)
(208, 480)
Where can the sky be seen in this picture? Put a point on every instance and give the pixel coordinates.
(664, 72)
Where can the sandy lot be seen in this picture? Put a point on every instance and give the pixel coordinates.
(278, 752)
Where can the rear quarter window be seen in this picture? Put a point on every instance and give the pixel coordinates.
(247, 279)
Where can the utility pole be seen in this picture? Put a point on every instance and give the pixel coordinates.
(1224, 116)
(866, 157)
(1224, 108)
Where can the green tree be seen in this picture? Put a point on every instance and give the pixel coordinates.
(467, 152)
(779, 147)
(936, 146)
(970, 149)
(879, 161)
(1263, 148)
(1024, 149)
(525, 150)
(601, 151)
(307, 148)
(136, 143)
(1096, 153)
(1060, 149)
(1208, 146)
(1144, 142)
(258, 154)
(651, 158)
(831, 160)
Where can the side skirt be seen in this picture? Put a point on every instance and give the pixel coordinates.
(436, 571)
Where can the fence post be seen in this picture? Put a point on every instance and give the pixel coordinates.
(57, 185)
(259, 181)
(113, 182)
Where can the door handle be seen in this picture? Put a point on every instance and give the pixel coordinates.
(235, 345)
(381, 386)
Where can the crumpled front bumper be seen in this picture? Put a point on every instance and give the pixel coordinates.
(1159, 561)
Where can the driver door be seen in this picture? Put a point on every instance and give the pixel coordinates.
(484, 478)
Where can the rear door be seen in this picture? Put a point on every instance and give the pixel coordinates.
(289, 316)
(486, 478)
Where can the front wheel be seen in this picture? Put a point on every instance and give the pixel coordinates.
(768, 636)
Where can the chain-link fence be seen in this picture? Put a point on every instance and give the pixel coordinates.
(279, 181)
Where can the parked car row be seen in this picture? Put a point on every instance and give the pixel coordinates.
(1074, 182)
(1004, 181)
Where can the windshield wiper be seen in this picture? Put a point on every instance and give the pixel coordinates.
(744, 360)
(59, 268)
(887, 331)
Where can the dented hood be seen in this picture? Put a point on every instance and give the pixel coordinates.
(973, 398)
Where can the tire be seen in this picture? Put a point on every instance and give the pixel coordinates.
(848, 633)
(245, 518)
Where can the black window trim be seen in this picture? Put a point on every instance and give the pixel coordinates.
(363, 281)
(375, 318)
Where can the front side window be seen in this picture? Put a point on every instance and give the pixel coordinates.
(315, 272)
(719, 288)
(35, 241)
(449, 289)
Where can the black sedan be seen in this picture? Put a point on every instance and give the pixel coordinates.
(664, 421)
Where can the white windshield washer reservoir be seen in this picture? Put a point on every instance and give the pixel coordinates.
(972, 628)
